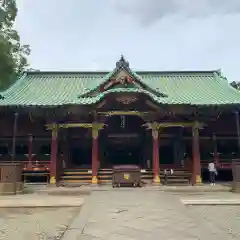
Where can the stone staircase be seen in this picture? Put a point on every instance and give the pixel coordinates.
(76, 176)
(83, 176)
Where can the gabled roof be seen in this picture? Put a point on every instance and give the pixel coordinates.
(123, 66)
(66, 88)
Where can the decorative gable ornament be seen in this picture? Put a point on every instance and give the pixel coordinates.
(122, 77)
(123, 80)
(122, 63)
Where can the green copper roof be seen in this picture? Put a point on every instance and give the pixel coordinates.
(64, 88)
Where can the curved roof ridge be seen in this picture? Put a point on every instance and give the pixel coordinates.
(155, 98)
(66, 72)
(105, 72)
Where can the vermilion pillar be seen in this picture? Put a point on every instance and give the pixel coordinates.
(30, 150)
(53, 164)
(155, 159)
(95, 156)
(196, 174)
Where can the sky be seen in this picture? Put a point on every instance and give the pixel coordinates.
(151, 34)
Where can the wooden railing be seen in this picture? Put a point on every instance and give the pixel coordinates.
(37, 165)
(38, 162)
(222, 163)
(33, 166)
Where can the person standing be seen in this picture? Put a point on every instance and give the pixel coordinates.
(212, 172)
(148, 164)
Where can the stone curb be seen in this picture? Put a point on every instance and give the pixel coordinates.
(210, 201)
(37, 201)
(40, 206)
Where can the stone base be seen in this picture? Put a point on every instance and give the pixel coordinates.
(53, 180)
(236, 187)
(156, 179)
(94, 180)
(10, 188)
(198, 180)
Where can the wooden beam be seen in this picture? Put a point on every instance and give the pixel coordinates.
(69, 125)
(158, 126)
(126, 113)
(152, 105)
(101, 104)
(76, 125)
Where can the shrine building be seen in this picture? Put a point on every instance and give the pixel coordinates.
(72, 127)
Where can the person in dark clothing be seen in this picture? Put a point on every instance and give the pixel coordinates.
(212, 172)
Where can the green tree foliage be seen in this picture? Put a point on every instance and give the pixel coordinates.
(235, 85)
(13, 55)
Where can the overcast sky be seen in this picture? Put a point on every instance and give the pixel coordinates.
(151, 34)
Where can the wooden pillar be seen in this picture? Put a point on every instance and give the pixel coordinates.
(238, 130)
(196, 173)
(95, 155)
(54, 147)
(14, 136)
(215, 150)
(155, 159)
(30, 150)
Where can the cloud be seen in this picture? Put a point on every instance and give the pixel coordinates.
(147, 12)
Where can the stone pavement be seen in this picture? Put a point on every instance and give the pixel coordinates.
(37, 216)
(35, 223)
(130, 214)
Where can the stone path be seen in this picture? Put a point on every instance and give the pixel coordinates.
(130, 214)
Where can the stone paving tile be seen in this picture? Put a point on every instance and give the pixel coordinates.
(116, 236)
(137, 214)
(98, 232)
(134, 212)
(133, 233)
(86, 237)
(221, 218)
(24, 224)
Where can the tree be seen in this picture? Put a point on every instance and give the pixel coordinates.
(235, 85)
(13, 55)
